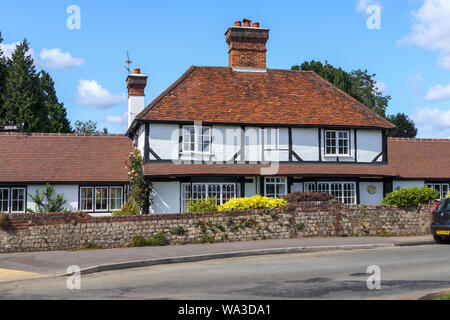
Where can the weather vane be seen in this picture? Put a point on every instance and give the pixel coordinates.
(128, 62)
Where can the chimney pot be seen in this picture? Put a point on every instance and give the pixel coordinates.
(137, 71)
(247, 46)
(238, 24)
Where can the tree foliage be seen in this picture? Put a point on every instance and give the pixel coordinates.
(27, 97)
(47, 201)
(406, 128)
(358, 83)
(88, 127)
(362, 86)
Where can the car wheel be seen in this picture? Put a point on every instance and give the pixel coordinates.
(440, 240)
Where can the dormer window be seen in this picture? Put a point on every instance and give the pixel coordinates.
(337, 143)
(197, 139)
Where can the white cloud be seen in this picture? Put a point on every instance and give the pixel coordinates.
(9, 48)
(362, 5)
(438, 93)
(91, 93)
(116, 120)
(55, 58)
(380, 86)
(432, 123)
(431, 29)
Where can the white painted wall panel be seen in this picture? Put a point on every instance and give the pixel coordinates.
(370, 145)
(70, 195)
(305, 142)
(373, 199)
(253, 140)
(250, 188)
(406, 184)
(166, 197)
(164, 140)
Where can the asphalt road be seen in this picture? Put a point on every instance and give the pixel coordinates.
(406, 273)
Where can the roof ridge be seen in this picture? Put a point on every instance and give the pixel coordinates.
(418, 139)
(39, 134)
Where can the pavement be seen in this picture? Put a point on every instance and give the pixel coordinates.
(21, 266)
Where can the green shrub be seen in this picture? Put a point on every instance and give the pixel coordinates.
(130, 208)
(202, 205)
(47, 201)
(179, 231)
(158, 240)
(253, 203)
(207, 239)
(300, 226)
(91, 246)
(410, 197)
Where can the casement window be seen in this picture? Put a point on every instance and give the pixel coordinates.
(272, 139)
(442, 188)
(275, 187)
(337, 143)
(101, 199)
(87, 199)
(223, 192)
(116, 198)
(310, 187)
(197, 139)
(4, 200)
(342, 191)
(18, 200)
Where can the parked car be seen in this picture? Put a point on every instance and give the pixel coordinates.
(440, 227)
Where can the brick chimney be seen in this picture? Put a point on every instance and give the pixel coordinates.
(247, 45)
(136, 83)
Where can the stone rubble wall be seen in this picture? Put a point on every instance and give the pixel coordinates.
(53, 232)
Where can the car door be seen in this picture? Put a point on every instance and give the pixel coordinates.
(442, 212)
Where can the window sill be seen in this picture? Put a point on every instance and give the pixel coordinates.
(197, 153)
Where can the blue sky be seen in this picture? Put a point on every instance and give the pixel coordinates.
(410, 53)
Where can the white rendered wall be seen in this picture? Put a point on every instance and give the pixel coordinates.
(373, 199)
(166, 197)
(164, 140)
(405, 184)
(370, 145)
(135, 105)
(305, 143)
(70, 195)
(250, 188)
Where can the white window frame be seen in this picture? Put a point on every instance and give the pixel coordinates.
(199, 139)
(111, 198)
(86, 199)
(434, 186)
(107, 200)
(275, 137)
(342, 185)
(8, 207)
(336, 141)
(277, 181)
(310, 187)
(24, 199)
(187, 192)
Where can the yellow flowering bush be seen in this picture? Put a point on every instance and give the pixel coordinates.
(253, 203)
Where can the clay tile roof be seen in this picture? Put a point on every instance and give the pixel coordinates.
(275, 97)
(63, 158)
(420, 158)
